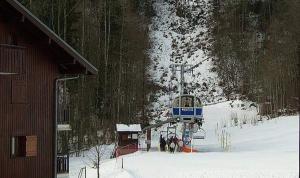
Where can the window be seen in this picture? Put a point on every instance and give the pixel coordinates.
(176, 102)
(11, 59)
(198, 102)
(135, 136)
(187, 101)
(18, 146)
(23, 146)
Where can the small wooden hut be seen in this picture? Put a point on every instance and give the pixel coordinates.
(127, 136)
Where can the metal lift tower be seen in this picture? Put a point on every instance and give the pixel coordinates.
(186, 115)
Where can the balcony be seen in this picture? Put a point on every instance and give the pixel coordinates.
(62, 166)
(63, 120)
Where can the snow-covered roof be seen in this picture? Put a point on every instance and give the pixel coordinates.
(129, 128)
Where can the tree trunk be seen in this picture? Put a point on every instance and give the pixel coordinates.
(83, 28)
(120, 64)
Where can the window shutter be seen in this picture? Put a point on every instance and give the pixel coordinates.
(11, 59)
(31, 145)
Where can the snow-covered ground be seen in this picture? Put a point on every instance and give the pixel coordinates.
(265, 149)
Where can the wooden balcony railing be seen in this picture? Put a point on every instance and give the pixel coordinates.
(64, 115)
(62, 164)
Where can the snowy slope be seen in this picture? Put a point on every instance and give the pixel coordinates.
(267, 149)
(181, 38)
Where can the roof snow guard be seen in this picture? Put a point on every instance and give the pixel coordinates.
(78, 59)
(129, 128)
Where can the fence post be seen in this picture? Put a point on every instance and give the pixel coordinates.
(122, 164)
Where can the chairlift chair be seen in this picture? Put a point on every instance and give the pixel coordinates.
(200, 134)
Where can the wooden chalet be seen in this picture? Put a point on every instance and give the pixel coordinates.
(32, 61)
(127, 136)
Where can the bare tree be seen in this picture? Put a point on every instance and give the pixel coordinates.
(96, 155)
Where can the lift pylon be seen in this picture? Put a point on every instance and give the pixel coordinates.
(187, 109)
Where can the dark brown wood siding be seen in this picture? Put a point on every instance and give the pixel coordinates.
(26, 102)
(123, 139)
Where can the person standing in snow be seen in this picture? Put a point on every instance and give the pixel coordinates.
(172, 147)
(180, 145)
(160, 138)
(168, 144)
(176, 142)
(170, 140)
(160, 142)
(163, 144)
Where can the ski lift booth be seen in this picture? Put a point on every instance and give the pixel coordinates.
(127, 137)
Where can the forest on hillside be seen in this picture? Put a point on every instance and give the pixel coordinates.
(256, 49)
(254, 44)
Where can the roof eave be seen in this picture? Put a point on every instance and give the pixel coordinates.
(53, 36)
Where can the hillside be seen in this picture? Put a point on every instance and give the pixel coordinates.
(179, 36)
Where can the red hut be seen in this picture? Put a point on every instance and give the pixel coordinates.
(127, 136)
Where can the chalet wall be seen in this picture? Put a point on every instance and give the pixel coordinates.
(27, 103)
